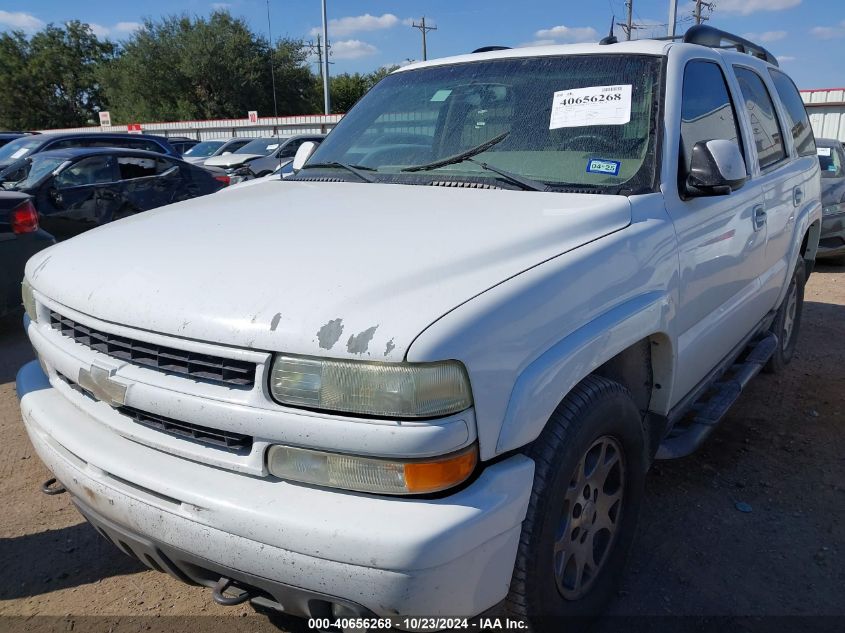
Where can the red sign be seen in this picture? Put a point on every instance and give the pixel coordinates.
(253, 116)
(134, 128)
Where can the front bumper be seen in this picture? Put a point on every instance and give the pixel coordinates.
(452, 556)
(832, 238)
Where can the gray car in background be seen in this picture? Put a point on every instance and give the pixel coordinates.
(263, 155)
(204, 150)
(832, 162)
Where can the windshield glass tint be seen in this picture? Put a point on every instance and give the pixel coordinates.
(576, 120)
(18, 148)
(206, 148)
(28, 173)
(261, 146)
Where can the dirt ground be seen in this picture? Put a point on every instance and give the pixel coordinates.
(697, 557)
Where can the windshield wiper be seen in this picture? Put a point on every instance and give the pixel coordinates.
(358, 170)
(459, 158)
(529, 184)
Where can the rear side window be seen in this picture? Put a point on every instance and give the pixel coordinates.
(799, 122)
(136, 167)
(761, 113)
(707, 112)
(830, 161)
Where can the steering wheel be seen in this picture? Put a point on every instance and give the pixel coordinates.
(596, 141)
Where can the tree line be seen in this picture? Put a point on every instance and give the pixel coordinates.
(174, 68)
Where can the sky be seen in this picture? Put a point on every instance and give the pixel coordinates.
(808, 36)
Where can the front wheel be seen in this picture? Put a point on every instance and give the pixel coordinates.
(590, 466)
(788, 321)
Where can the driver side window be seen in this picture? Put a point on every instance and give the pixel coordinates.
(707, 111)
(88, 171)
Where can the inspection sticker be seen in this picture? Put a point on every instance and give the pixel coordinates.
(597, 105)
(602, 166)
(441, 95)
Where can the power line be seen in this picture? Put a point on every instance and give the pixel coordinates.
(424, 30)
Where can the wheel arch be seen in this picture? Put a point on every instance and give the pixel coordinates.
(630, 344)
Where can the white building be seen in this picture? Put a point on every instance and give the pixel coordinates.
(826, 107)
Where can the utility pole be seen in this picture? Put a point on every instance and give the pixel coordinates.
(327, 98)
(424, 29)
(316, 48)
(628, 26)
(673, 17)
(272, 61)
(697, 14)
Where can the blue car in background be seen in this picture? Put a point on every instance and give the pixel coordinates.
(28, 145)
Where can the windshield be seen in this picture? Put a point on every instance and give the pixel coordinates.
(261, 146)
(18, 148)
(27, 173)
(569, 123)
(830, 160)
(206, 148)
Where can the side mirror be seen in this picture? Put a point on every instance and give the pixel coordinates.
(303, 154)
(717, 168)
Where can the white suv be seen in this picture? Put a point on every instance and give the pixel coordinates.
(426, 375)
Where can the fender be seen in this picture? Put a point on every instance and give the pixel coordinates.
(809, 215)
(543, 384)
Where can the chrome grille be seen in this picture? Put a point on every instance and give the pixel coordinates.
(202, 367)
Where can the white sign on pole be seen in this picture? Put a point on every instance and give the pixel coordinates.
(253, 116)
(105, 118)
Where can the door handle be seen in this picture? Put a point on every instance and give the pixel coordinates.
(797, 196)
(759, 217)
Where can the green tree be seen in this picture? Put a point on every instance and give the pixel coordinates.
(50, 79)
(183, 67)
(347, 88)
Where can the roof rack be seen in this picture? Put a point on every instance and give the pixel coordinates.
(716, 38)
(487, 49)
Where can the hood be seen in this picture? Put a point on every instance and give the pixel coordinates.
(230, 160)
(332, 269)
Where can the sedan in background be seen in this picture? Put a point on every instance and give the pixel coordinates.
(20, 238)
(78, 189)
(34, 143)
(262, 155)
(832, 163)
(201, 152)
(8, 137)
(182, 143)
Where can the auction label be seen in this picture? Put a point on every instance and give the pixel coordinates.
(597, 105)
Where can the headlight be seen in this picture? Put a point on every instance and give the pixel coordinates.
(29, 300)
(402, 390)
(367, 474)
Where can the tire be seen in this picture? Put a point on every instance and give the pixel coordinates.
(597, 415)
(787, 323)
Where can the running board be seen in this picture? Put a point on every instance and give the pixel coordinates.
(703, 416)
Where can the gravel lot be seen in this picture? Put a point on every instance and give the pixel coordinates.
(781, 451)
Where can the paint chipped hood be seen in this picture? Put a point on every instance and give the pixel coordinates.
(334, 269)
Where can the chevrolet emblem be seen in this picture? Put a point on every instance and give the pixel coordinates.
(97, 380)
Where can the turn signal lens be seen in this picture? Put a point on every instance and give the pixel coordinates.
(368, 474)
